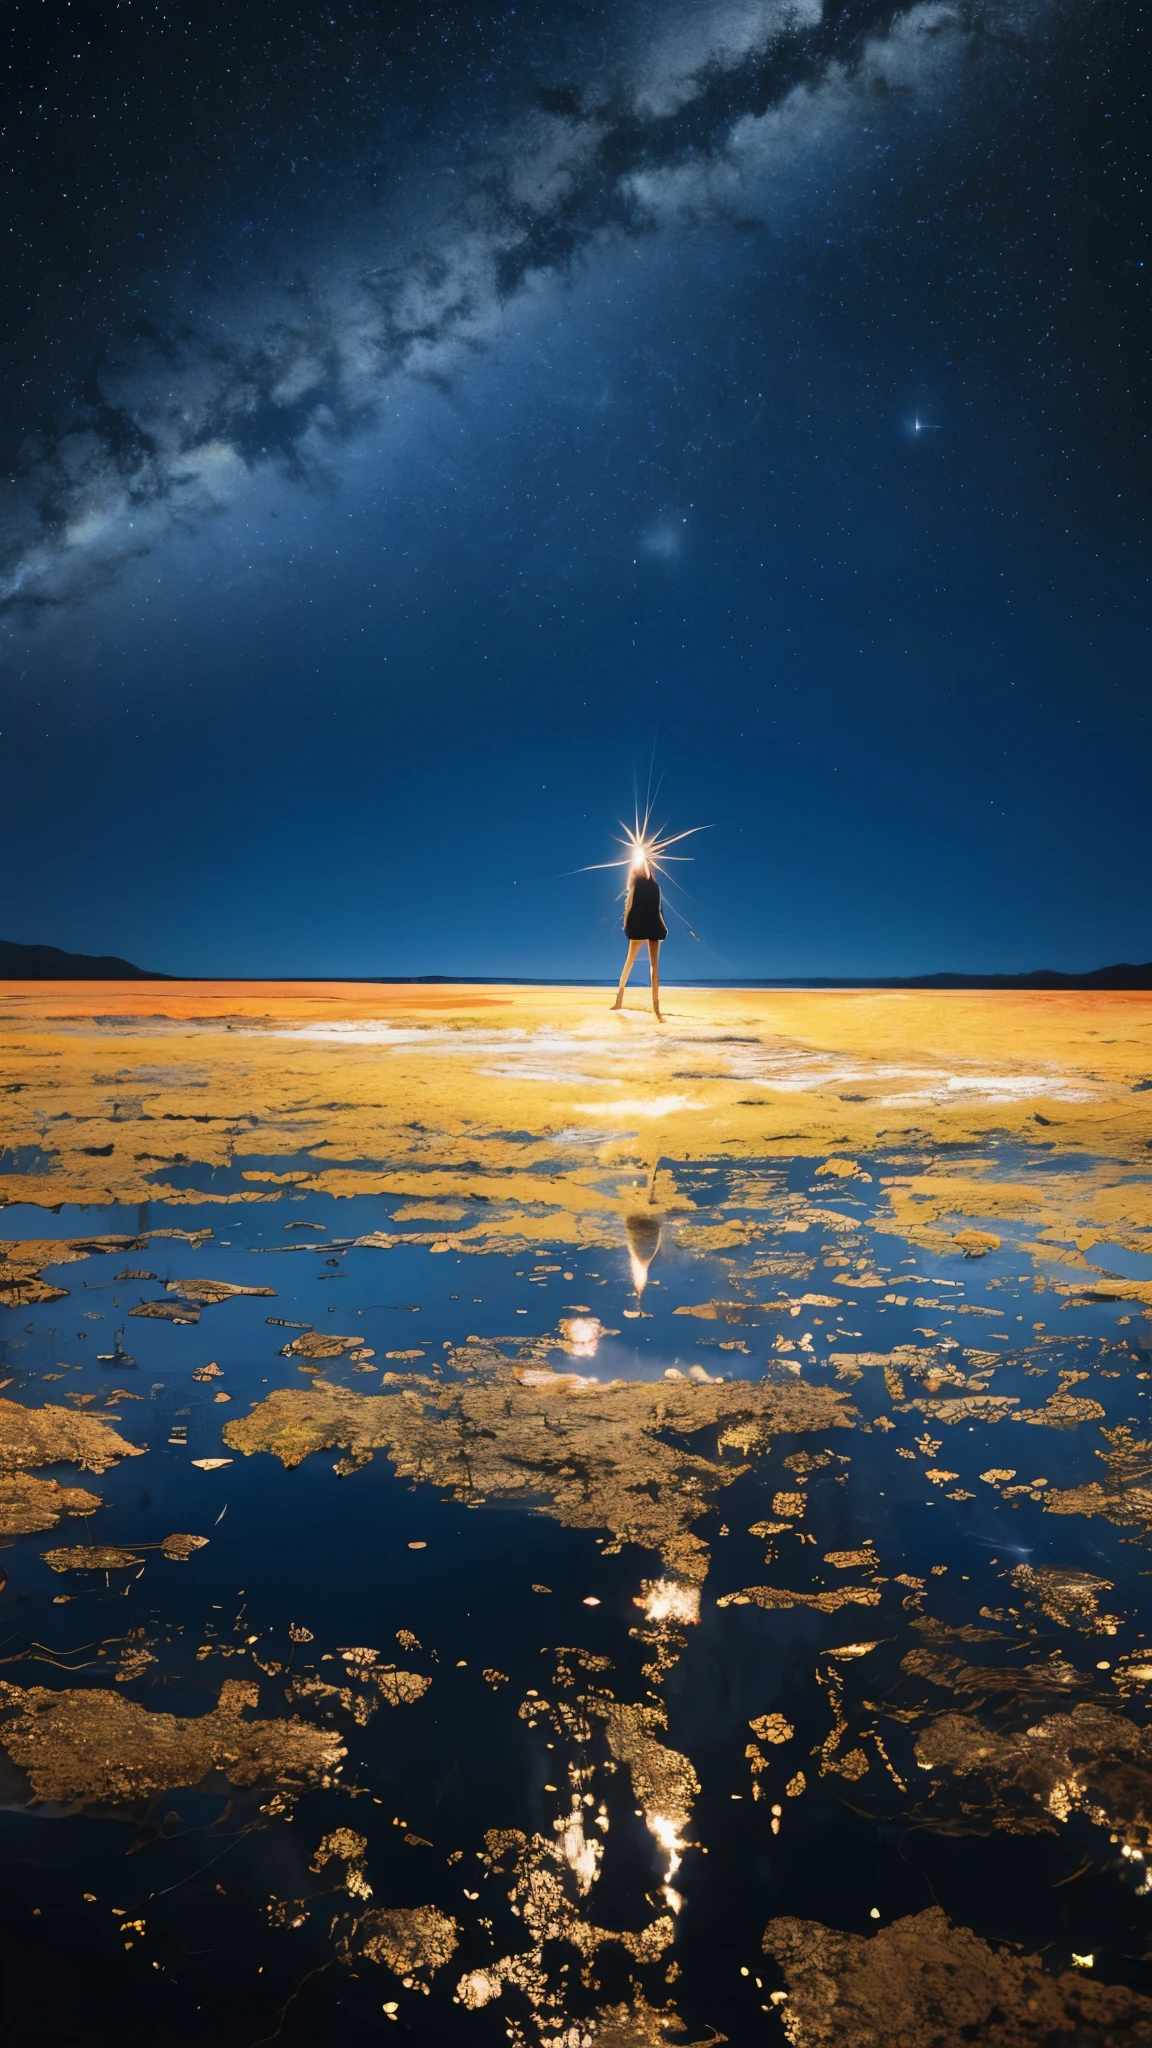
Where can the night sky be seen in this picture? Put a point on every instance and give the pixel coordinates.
(416, 418)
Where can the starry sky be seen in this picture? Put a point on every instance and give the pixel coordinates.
(418, 420)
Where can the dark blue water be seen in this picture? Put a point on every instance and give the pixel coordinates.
(306, 1549)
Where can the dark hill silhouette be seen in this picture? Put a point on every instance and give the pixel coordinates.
(48, 963)
(1122, 976)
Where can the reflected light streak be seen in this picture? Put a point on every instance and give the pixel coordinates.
(581, 1855)
(667, 1833)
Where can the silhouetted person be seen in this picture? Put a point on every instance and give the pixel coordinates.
(643, 923)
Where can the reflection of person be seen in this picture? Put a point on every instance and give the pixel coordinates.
(643, 1234)
(642, 921)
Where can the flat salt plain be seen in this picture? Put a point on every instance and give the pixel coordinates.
(672, 1548)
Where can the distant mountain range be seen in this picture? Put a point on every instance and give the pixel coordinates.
(1122, 976)
(48, 963)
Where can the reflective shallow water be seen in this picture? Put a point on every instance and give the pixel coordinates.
(877, 1650)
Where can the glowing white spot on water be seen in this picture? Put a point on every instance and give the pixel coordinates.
(667, 1600)
(581, 1334)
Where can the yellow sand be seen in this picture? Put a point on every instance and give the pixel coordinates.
(527, 1096)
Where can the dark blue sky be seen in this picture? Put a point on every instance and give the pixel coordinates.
(417, 415)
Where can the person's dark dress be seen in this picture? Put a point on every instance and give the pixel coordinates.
(642, 919)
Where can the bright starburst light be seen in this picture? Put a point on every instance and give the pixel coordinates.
(646, 846)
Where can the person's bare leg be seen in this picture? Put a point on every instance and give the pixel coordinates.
(654, 969)
(633, 949)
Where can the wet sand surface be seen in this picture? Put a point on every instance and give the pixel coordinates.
(525, 1524)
